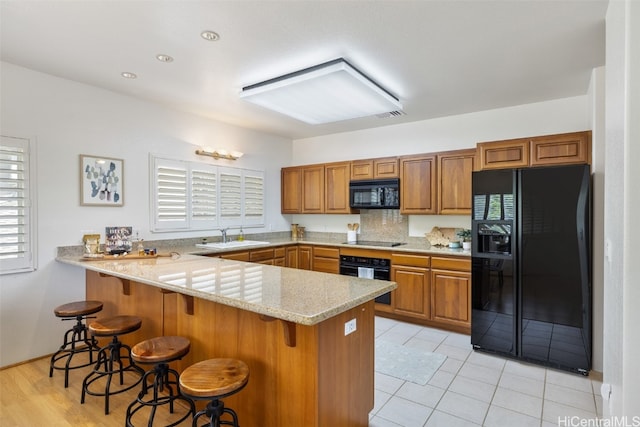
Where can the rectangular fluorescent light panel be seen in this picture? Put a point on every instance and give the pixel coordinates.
(325, 93)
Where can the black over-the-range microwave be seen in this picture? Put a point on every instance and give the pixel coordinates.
(375, 194)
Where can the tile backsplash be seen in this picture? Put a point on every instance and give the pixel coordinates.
(383, 224)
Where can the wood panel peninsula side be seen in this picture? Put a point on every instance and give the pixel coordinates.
(288, 325)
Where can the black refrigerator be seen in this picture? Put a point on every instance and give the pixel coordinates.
(531, 265)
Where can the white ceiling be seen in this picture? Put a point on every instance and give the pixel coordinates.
(439, 57)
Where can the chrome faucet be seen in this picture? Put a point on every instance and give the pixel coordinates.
(224, 234)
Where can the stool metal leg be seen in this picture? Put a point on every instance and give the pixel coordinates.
(161, 380)
(79, 334)
(106, 359)
(214, 410)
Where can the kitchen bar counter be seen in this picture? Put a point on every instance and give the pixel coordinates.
(307, 337)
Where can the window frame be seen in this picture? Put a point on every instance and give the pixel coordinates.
(221, 219)
(29, 262)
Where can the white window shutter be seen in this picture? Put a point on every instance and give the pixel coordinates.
(170, 199)
(253, 186)
(17, 240)
(230, 196)
(204, 196)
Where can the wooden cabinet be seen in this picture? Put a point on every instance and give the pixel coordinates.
(454, 181)
(322, 188)
(418, 185)
(305, 254)
(386, 167)
(513, 153)
(336, 187)
(326, 259)
(559, 149)
(313, 189)
(291, 190)
(567, 148)
(451, 292)
(291, 256)
(412, 297)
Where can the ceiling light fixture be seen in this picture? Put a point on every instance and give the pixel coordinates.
(211, 36)
(164, 58)
(128, 75)
(219, 153)
(324, 93)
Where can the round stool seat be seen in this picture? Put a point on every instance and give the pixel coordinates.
(78, 308)
(214, 378)
(160, 349)
(116, 325)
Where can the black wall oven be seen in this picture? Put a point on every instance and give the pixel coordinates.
(368, 268)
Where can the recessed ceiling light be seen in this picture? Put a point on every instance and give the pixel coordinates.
(164, 58)
(128, 75)
(212, 36)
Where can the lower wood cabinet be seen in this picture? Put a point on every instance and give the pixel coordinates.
(451, 291)
(291, 256)
(433, 291)
(412, 297)
(326, 259)
(305, 253)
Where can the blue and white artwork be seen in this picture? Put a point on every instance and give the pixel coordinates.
(101, 181)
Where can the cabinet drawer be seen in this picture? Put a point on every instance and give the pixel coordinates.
(321, 251)
(326, 265)
(411, 260)
(237, 256)
(451, 263)
(261, 255)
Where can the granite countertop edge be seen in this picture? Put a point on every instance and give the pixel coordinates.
(323, 313)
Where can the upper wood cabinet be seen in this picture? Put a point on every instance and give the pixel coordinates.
(454, 181)
(336, 190)
(321, 188)
(566, 148)
(418, 184)
(513, 153)
(313, 189)
(559, 149)
(386, 167)
(291, 190)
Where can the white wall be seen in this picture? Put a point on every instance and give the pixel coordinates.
(67, 119)
(622, 201)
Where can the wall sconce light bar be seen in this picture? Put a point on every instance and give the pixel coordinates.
(220, 154)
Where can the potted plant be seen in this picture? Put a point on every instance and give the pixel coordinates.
(465, 235)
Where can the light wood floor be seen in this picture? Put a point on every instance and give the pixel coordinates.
(28, 397)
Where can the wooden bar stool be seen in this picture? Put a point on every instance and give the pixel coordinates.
(76, 339)
(110, 356)
(212, 380)
(160, 351)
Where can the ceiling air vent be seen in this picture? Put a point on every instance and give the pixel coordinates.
(396, 113)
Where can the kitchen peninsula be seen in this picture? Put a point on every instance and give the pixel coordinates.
(288, 325)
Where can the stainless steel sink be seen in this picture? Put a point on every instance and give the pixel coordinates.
(231, 245)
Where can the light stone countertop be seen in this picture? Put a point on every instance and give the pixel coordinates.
(300, 296)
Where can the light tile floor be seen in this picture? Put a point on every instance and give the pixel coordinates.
(477, 389)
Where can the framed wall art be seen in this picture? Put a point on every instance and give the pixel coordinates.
(101, 181)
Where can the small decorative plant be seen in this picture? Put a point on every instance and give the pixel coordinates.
(464, 234)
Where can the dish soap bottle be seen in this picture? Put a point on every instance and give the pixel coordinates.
(241, 235)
